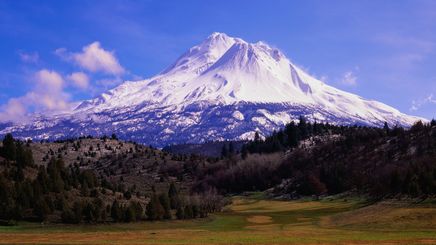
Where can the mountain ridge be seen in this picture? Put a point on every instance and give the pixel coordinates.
(222, 89)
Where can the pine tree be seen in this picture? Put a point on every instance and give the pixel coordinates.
(165, 202)
(43, 180)
(292, 134)
(7, 202)
(24, 156)
(224, 151)
(78, 210)
(154, 209)
(9, 148)
(188, 212)
(180, 213)
(116, 211)
(303, 128)
(231, 149)
(130, 214)
(139, 211)
(386, 128)
(244, 152)
(173, 194)
(256, 137)
(41, 209)
(88, 212)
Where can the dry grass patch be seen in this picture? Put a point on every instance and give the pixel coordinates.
(260, 219)
(386, 215)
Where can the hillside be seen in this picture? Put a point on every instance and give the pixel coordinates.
(97, 181)
(321, 159)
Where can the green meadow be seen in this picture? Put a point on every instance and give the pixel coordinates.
(254, 220)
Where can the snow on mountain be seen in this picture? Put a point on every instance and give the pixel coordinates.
(223, 88)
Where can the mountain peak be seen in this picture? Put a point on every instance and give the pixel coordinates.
(224, 69)
(222, 88)
(215, 35)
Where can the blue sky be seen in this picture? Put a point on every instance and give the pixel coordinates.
(382, 50)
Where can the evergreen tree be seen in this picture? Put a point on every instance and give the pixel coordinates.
(303, 127)
(54, 168)
(256, 137)
(130, 213)
(154, 209)
(188, 212)
(180, 213)
(165, 202)
(7, 202)
(116, 211)
(43, 180)
(231, 149)
(173, 194)
(224, 151)
(88, 212)
(9, 148)
(114, 137)
(24, 156)
(292, 134)
(78, 210)
(127, 195)
(139, 211)
(386, 128)
(244, 152)
(41, 209)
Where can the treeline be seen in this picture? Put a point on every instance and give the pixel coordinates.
(290, 136)
(163, 206)
(381, 162)
(293, 133)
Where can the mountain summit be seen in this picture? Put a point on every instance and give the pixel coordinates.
(223, 88)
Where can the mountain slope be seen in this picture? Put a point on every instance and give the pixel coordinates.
(223, 88)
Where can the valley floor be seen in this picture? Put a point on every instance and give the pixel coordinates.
(253, 220)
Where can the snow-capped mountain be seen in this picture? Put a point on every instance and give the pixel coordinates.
(223, 88)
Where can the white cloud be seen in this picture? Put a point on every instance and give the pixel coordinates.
(29, 57)
(47, 95)
(417, 104)
(93, 58)
(14, 110)
(349, 79)
(79, 80)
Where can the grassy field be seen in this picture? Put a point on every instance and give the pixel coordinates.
(252, 220)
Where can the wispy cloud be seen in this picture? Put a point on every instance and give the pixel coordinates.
(32, 57)
(396, 40)
(349, 79)
(406, 52)
(417, 104)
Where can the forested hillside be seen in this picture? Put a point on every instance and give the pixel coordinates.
(96, 180)
(320, 159)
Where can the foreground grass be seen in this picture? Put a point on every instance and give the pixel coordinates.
(252, 220)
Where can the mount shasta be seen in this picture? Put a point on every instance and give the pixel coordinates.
(223, 88)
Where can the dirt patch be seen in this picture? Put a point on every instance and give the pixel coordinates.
(260, 219)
